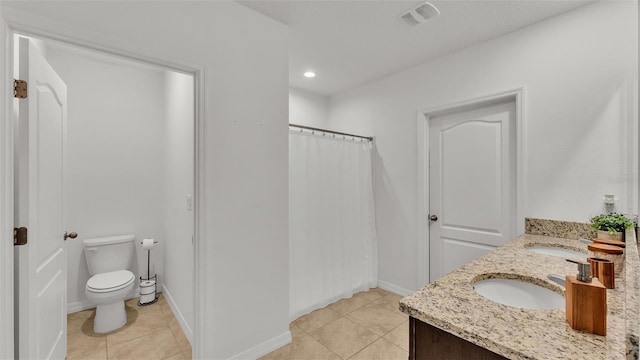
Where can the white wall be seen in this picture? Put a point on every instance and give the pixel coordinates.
(307, 108)
(6, 199)
(114, 175)
(244, 56)
(579, 71)
(178, 175)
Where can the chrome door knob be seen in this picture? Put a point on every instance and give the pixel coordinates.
(433, 218)
(72, 235)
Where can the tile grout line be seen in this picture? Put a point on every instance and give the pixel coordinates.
(381, 338)
(179, 348)
(176, 337)
(326, 347)
(346, 318)
(137, 337)
(367, 302)
(331, 322)
(182, 350)
(106, 345)
(366, 346)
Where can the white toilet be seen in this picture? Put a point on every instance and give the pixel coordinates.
(108, 259)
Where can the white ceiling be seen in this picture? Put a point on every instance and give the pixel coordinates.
(350, 42)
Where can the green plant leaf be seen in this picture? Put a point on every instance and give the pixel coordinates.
(611, 223)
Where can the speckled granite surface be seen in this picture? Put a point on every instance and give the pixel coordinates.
(452, 305)
(558, 228)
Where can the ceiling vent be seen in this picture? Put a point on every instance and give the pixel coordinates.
(420, 14)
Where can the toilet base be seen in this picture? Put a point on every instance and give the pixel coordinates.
(109, 317)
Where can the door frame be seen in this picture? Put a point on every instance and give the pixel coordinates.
(24, 26)
(422, 211)
(6, 201)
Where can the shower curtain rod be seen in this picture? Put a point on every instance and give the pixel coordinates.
(370, 138)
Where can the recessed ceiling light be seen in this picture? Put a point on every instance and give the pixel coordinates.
(309, 74)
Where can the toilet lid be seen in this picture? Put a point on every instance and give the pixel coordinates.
(110, 281)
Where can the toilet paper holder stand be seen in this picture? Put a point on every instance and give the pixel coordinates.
(145, 289)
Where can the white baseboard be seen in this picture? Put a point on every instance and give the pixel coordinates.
(86, 304)
(264, 348)
(79, 306)
(188, 332)
(394, 288)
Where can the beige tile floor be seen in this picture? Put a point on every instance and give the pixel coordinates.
(151, 332)
(367, 326)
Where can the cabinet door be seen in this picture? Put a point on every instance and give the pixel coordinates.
(429, 342)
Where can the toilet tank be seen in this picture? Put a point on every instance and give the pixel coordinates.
(109, 253)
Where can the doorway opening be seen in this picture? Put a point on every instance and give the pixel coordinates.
(128, 166)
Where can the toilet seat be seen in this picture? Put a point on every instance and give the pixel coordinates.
(111, 281)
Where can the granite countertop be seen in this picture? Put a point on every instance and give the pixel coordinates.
(452, 305)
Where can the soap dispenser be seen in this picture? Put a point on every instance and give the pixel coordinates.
(586, 301)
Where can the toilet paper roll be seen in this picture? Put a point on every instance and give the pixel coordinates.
(147, 287)
(147, 243)
(147, 291)
(147, 298)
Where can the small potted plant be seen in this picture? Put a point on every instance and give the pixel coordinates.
(611, 226)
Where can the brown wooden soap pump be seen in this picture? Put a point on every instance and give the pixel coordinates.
(586, 301)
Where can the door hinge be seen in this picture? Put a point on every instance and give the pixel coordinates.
(20, 89)
(20, 236)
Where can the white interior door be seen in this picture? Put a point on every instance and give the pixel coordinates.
(41, 265)
(471, 184)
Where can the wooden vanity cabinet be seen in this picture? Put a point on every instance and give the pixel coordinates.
(429, 342)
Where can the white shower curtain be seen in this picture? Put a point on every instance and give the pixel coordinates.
(332, 236)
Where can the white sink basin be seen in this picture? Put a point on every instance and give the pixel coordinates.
(557, 251)
(560, 280)
(519, 294)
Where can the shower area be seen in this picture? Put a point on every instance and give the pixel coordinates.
(332, 234)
